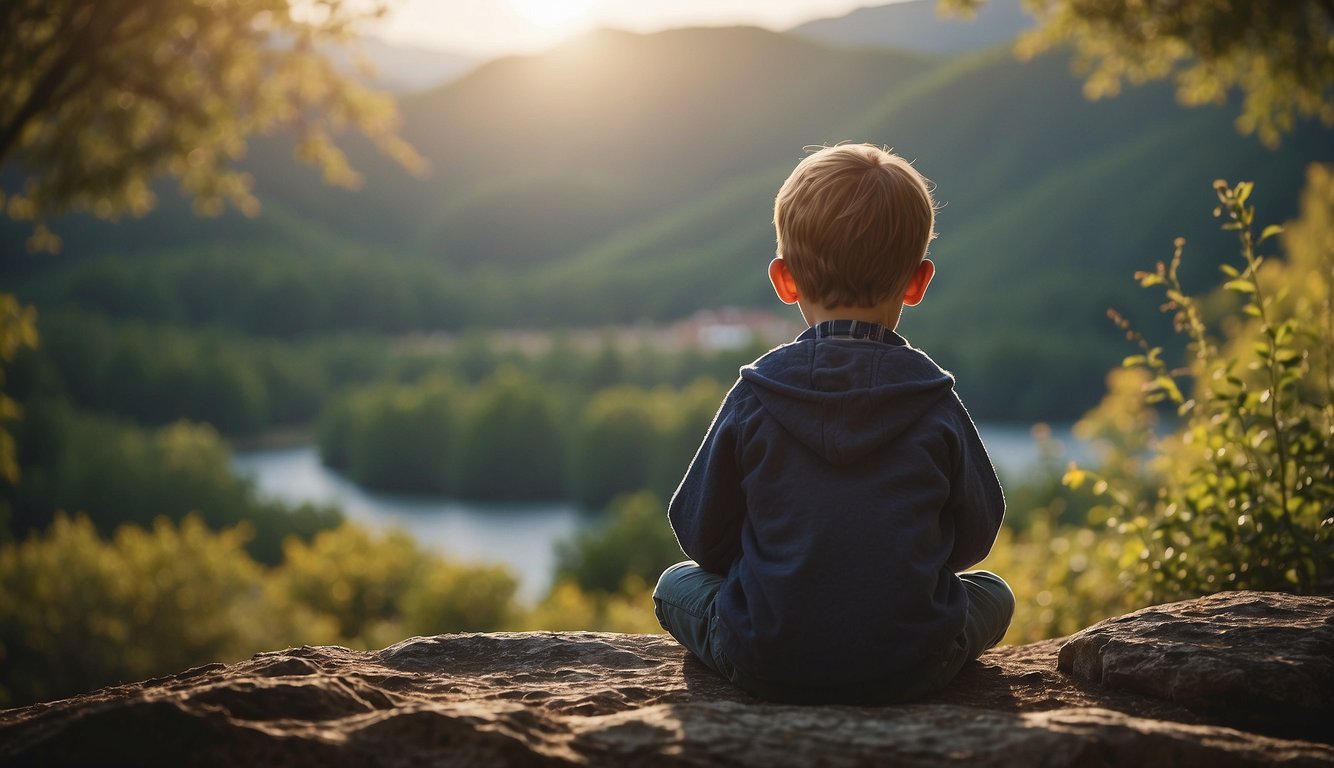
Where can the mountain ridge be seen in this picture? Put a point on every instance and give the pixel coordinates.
(627, 177)
(920, 26)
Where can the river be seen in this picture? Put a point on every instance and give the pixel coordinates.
(520, 537)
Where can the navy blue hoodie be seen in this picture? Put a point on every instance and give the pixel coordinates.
(840, 488)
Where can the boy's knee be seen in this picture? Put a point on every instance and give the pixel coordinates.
(994, 585)
(994, 602)
(670, 577)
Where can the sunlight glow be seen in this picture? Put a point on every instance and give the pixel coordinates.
(552, 14)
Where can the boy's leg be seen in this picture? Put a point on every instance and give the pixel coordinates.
(990, 609)
(683, 601)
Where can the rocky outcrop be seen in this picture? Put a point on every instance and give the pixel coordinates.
(1241, 678)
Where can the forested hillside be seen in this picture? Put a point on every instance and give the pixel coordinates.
(625, 177)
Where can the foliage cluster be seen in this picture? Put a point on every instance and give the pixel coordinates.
(1241, 494)
(1065, 576)
(1277, 54)
(636, 543)
(510, 437)
(172, 88)
(118, 473)
(1192, 500)
(604, 577)
(78, 611)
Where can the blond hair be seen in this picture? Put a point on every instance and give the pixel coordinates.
(853, 223)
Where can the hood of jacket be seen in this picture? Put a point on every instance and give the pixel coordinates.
(844, 398)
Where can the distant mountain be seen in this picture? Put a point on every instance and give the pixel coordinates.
(917, 25)
(625, 177)
(404, 68)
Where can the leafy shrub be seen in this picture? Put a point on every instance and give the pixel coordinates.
(1241, 494)
(377, 588)
(636, 542)
(567, 608)
(1065, 577)
(78, 612)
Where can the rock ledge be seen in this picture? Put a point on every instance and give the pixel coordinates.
(1243, 678)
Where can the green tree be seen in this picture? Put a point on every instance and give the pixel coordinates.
(511, 446)
(1277, 53)
(398, 438)
(98, 97)
(630, 439)
(614, 445)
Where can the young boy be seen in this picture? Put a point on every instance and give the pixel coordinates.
(842, 486)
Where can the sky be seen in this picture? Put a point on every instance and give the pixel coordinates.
(492, 27)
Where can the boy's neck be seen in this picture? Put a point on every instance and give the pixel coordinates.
(886, 313)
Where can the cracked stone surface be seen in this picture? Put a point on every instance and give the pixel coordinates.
(1242, 678)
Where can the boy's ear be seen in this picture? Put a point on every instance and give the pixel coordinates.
(918, 282)
(784, 284)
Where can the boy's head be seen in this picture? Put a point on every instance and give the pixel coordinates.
(853, 224)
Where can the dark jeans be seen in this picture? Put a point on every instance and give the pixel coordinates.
(684, 602)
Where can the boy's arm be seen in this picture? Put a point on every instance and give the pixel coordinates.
(707, 509)
(976, 502)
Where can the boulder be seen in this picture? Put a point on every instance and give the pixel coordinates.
(1240, 678)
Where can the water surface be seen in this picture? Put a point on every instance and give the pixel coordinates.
(519, 536)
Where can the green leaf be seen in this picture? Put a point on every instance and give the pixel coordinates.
(1269, 231)
(1229, 270)
(1240, 286)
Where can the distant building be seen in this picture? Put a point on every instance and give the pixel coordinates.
(733, 328)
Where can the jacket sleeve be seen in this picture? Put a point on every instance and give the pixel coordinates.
(976, 501)
(709, 506)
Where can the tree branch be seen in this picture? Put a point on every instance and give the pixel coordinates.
(83, 43)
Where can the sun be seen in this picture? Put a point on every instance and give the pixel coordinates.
(552, 14)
